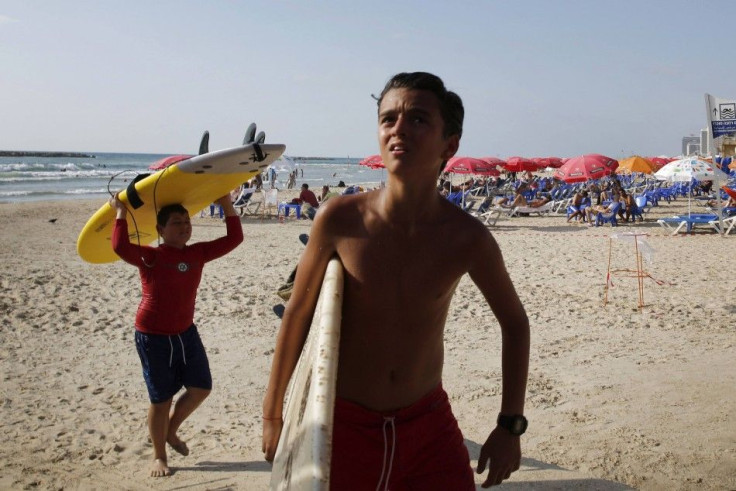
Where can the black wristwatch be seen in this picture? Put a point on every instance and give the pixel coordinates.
(515, 424)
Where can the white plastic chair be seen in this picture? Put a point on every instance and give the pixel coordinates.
(244, 202)
(270, 200)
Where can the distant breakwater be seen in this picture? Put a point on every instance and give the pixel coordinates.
(16, 153)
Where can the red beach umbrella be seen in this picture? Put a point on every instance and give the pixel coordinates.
(520, 164)
(729, 191)
(167, 161)
(373, 162)
(470, 165)
(553, 162)
(659, 162)
(494, 161)
(585, 167)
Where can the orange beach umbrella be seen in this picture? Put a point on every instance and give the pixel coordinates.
(635, 164)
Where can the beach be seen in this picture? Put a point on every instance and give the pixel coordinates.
(618, 397)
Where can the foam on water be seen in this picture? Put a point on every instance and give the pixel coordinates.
(53, 178)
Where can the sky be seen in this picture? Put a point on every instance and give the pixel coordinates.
(537, 78)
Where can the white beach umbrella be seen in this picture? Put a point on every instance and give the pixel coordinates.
(283, 163)
(687, 170)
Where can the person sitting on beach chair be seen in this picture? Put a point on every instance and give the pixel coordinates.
(519, 199)
(576, 208)
(628, 206)
(539, 202)
(592, 212)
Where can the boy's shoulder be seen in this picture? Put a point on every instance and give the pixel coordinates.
(345, 203)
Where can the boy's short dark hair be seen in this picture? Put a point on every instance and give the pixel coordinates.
(162, 217)
(451, 106)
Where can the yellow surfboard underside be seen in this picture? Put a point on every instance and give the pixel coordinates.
(194, 183)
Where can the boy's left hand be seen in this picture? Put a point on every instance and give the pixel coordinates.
(271, 433)
(224, 200)
(504, 452)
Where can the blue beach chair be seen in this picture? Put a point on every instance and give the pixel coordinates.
(610, 217)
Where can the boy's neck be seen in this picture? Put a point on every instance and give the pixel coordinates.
(173, 246)
(408, 202)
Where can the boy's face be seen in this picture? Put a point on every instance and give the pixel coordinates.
(177, 231)
(410, 133)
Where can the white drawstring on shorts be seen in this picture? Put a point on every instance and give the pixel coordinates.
(171, 352)
(183, 354)
(386, 421)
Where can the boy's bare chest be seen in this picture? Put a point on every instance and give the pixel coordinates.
(391, 265)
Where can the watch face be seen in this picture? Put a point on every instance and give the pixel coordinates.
(518, 426)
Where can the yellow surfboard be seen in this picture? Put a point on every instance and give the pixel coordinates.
(194, 183)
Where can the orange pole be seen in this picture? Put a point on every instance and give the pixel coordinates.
(608, 273)
(639, 271)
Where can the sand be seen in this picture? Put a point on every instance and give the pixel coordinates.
(618, 397)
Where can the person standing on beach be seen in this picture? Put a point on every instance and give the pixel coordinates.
(171, 352)
(393, 425)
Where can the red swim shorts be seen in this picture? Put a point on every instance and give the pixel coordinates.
(418, 447)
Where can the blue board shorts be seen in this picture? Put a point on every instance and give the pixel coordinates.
(172, 362)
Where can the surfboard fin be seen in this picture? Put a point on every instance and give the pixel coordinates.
(260, 137)
(204, 145)
(250, 134)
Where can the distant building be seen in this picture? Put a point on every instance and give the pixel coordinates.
(704, 149)
(690, 145)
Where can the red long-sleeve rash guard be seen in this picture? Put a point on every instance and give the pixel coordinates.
(170, 276)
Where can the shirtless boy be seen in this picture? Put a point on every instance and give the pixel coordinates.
(171, 351)
(404, 249)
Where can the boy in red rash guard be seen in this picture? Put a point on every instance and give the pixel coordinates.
(171, 352)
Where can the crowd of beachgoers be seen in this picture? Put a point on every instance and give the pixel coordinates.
(624, 197)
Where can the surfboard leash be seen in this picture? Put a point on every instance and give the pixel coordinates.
(136, 202)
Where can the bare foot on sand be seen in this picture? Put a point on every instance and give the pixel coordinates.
(160, 468)
(178, 445)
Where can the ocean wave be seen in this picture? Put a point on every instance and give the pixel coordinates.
(32, 175)
(47, 166)
(51, 194)
(28, 179)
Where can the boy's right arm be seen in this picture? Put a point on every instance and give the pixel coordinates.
(118, 206)
(120, 239)
(295, 327)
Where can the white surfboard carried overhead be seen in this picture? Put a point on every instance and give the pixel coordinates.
(194, 183)
(302, 460)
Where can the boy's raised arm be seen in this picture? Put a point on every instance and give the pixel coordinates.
(227, 206)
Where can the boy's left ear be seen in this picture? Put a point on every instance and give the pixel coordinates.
(451, 146)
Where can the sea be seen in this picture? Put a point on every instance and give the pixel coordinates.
(96, 175)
